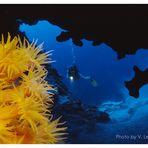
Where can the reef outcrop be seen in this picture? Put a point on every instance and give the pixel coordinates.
(82, 120)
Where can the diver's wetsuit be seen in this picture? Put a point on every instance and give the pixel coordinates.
(73, 72)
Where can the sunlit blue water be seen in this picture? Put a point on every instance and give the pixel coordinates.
(101, 63)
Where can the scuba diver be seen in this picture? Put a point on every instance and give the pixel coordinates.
(74, 74)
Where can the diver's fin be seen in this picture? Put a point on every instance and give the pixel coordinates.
(94, 83)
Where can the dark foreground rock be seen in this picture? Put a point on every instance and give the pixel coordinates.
(82, 120)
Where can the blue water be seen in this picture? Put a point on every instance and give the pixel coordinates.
(101, 63)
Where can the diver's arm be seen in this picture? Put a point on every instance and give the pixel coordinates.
(85, 77)
(93, 81)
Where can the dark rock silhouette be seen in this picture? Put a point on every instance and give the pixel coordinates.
(140, 79)
(82, 120)
(123, 27)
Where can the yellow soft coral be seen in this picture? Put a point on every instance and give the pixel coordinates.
(12, 62)
(25, 95)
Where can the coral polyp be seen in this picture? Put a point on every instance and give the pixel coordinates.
(25, 95)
